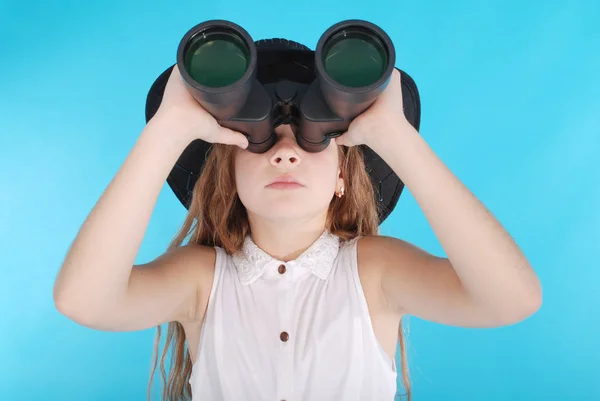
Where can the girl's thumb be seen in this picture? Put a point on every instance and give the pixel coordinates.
(231, 137)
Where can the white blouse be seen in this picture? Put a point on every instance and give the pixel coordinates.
(293, 331)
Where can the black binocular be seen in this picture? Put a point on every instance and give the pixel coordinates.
(354, 60)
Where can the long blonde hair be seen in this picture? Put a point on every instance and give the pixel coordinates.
(216, 217)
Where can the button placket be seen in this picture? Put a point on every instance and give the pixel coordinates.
(285, 335)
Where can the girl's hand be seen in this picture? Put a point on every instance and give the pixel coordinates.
(385, 115)
(179, 105)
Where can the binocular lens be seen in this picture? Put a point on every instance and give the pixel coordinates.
(218, 58)
(355, 57)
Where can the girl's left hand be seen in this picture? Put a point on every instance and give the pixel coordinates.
(384, 115)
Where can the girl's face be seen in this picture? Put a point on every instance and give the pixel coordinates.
(318, 173)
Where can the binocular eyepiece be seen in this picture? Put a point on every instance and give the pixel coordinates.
(354, 60)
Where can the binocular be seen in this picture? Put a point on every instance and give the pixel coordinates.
(354, 60)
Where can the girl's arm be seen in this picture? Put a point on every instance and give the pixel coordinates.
(98, 285)
(485, 280)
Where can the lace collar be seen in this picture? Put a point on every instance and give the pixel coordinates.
(251, 261)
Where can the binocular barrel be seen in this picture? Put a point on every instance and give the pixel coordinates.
(217, 60)
(354, 60)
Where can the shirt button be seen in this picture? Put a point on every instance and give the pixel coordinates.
(284, 336)
(282, 269)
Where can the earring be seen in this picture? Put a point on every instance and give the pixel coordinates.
(340, 193)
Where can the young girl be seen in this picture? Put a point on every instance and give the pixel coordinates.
(286, 291)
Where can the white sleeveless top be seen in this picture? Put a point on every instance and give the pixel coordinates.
(290, 331)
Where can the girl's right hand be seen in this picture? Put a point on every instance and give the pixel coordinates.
(196, 121)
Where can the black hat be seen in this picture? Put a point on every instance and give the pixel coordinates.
(279, 59)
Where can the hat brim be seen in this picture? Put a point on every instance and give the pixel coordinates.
(277, 61)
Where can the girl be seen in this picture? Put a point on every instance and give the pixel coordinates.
(286, 291)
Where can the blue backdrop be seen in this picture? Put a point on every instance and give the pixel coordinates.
(511, 103)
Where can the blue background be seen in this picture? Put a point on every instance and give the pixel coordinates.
(511, 103)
